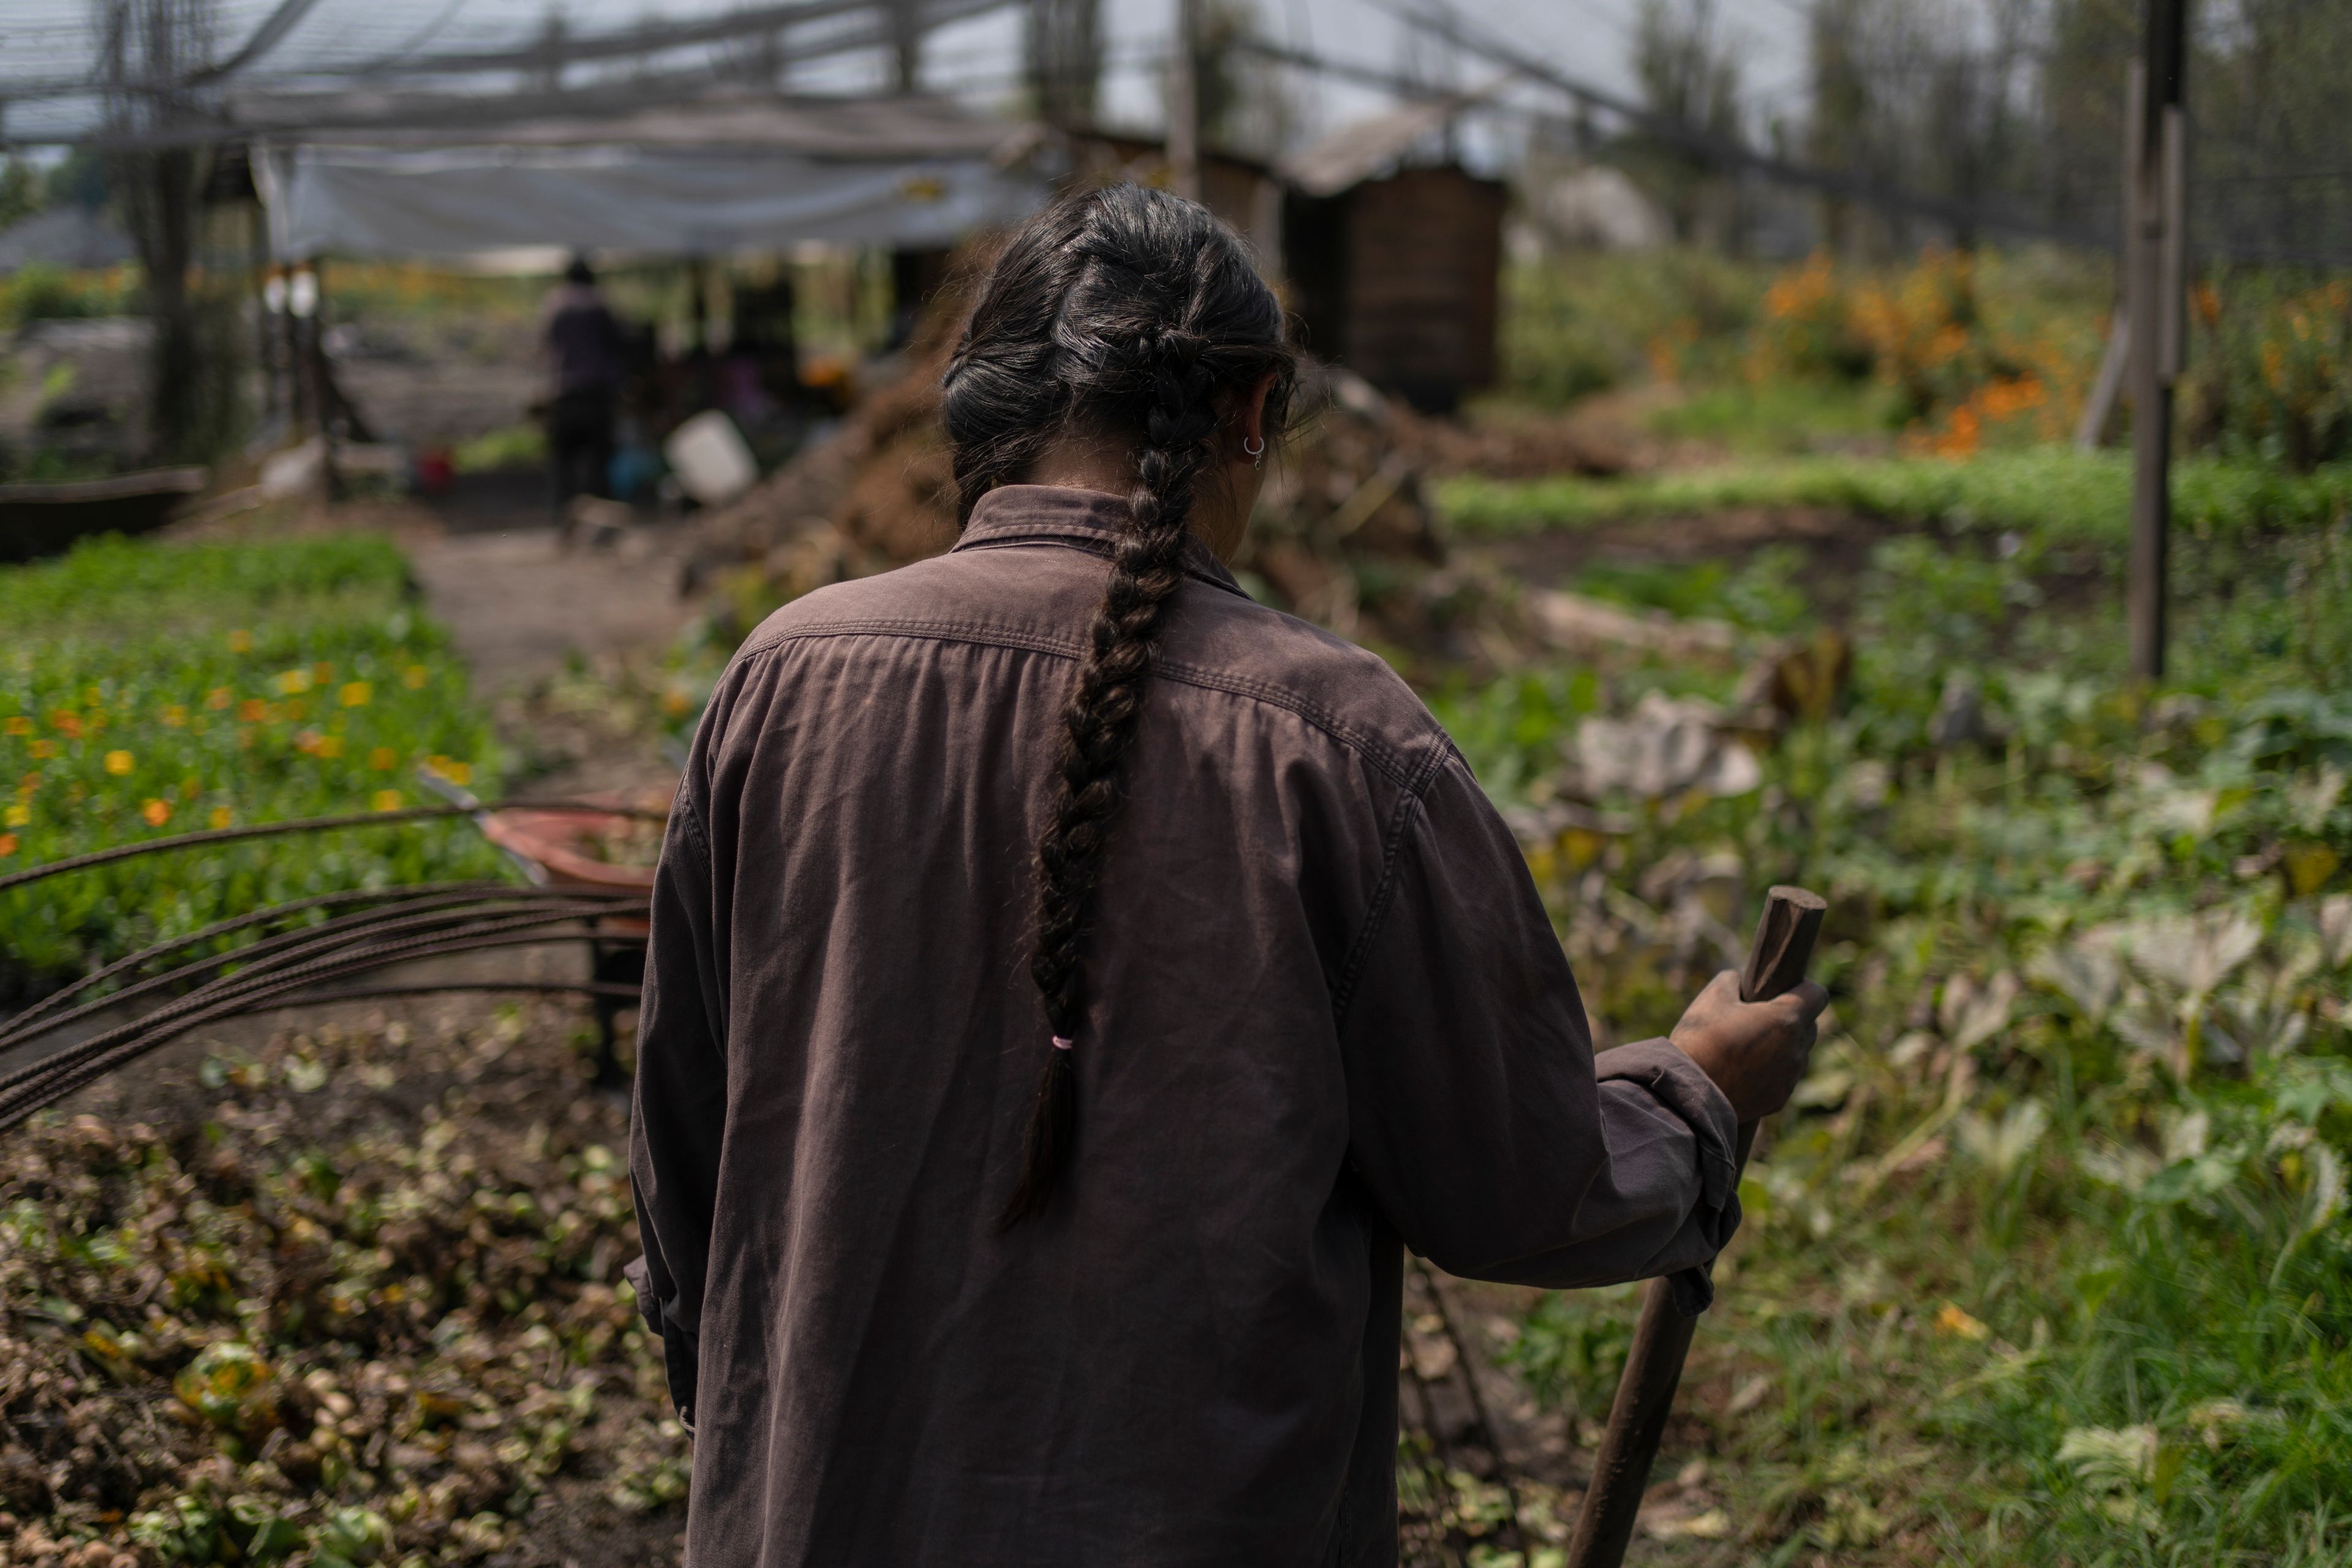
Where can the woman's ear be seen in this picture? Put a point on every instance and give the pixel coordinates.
(1253, 410)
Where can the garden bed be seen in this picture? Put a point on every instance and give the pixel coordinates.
(155, 688)
(351, 1295)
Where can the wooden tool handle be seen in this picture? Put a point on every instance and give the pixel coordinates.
(1776, 963)
(1783, 948)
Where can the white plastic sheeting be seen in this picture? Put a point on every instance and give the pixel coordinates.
(452, 202)
(692, 180)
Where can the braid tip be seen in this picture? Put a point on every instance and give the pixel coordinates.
(1046, 1151)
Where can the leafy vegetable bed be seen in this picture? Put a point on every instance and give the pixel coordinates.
(354, 1299)
(149, 690)
(2050, 1261)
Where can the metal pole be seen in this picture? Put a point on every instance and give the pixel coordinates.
(1184, 104)
(2156, 214)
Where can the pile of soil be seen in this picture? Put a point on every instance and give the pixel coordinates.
(1344, 534)
(356, 1293)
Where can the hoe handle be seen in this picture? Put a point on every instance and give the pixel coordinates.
(1653, 1365)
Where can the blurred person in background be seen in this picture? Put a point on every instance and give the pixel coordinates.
(588, 348)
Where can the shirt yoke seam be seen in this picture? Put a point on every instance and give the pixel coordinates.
(1399, 769)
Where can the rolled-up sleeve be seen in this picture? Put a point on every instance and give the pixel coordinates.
(679, 1107)
(1499, 1146)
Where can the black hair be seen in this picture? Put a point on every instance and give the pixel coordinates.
(1130, 313)
(579, 271)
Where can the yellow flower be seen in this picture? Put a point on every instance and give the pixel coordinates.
(44, 748)
(20, 724)
(1954, 1320)
(356, 693)
(156, 812)
(221, 817)
(218, 697)
(414, 676)
(383, 758)
(386, 800)
(240, 642)
(292, 681)
(20, 815)
(322, 672)
(176, 716)
(330, 747)
(459, 773)
(119, 762)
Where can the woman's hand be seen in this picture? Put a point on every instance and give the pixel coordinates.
(1755, 1051)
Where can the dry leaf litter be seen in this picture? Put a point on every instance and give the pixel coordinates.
(358, 1302)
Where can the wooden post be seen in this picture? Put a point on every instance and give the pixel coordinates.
(907, 43)
(1184, 104)
(2155, 191)
(301, 314)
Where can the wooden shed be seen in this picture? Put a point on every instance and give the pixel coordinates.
(1394, 270)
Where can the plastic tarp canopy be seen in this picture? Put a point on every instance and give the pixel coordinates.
(681, 183)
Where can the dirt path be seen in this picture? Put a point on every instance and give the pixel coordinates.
(519, 601)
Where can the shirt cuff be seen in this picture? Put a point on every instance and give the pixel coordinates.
(1679, 1084)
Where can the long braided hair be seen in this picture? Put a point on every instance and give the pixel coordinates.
(1129, 314)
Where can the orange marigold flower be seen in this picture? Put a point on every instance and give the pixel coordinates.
(156, 812)
(383, 758)
(44, 748)
(66, 722)
(253, 711)
(218, 697)
(7, 845)
(19, 724)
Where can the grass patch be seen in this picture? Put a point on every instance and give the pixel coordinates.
(2056, 492)
(518, 446)
(156, 689)
(1784, 416)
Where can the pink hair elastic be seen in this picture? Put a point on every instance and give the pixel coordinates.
(1061, 1042)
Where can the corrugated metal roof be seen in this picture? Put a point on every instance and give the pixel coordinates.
(1362, 149)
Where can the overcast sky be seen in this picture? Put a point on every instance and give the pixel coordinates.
(981, 57)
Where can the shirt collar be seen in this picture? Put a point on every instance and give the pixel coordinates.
(1084, 519)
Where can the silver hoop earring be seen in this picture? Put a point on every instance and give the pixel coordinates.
(1256, 451)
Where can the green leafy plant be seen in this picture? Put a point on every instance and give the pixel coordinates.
(157, 688)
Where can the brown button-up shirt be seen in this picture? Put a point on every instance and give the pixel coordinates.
(1327, 1012)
